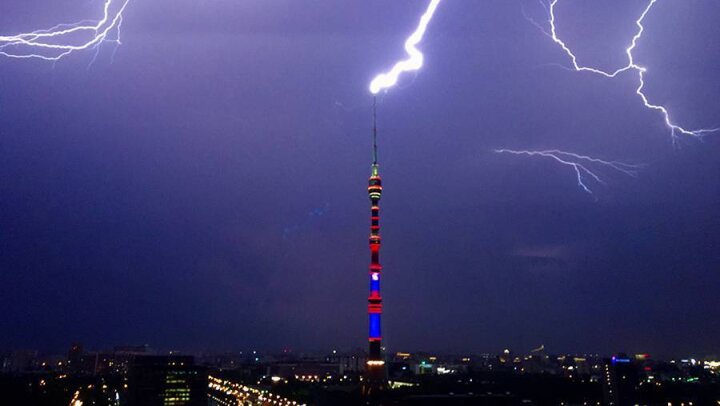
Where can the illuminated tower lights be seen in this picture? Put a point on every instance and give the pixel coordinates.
(375, 363)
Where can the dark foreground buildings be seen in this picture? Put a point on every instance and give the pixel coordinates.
(128, 376)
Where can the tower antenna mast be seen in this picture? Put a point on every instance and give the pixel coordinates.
(375, 154)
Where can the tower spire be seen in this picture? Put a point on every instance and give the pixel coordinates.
(375, 155)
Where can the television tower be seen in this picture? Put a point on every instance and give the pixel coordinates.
(375, 377)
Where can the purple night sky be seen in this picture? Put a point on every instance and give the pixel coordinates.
(206, 189)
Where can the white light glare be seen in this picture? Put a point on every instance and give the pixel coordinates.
(415, 57)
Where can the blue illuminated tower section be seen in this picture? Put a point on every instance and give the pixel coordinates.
(376, 363)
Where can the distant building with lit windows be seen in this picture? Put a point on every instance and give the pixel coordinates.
(166, 381)
(620, 381)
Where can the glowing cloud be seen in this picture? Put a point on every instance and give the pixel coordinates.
(415, 57)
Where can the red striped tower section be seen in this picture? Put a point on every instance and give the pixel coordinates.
(376, 376)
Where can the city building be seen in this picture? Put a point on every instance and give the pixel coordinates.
(620, 381)
(166, 380)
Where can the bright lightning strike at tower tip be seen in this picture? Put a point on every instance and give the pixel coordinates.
(415, 57)
(630, 66)
(61, 40)
(586, 168)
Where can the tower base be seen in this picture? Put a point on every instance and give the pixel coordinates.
(375, 379)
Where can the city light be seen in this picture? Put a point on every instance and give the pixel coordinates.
(233, 394)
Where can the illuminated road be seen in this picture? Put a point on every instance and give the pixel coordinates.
(227, 393)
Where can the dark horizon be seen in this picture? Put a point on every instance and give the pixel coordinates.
(207, 186)
(291, 353)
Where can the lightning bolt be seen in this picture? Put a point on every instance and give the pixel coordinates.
(415, 57)
(585, 166)
(61, 40)
(630, 66)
